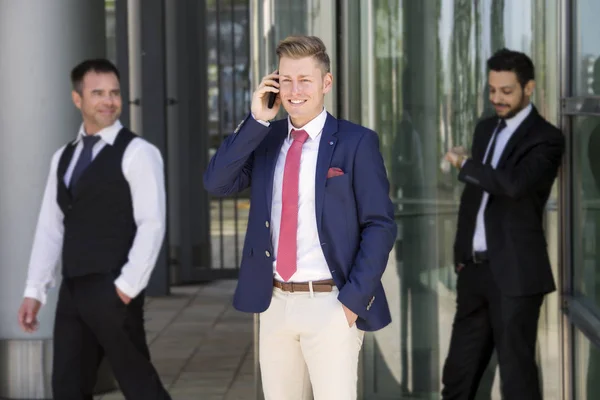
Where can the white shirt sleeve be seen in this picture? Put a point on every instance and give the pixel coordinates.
(144, 171)
(48, 239)
(260, 121)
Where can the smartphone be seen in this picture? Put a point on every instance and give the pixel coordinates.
(272, 96)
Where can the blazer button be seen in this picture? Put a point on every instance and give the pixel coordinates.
(267, 224)
(267, 253)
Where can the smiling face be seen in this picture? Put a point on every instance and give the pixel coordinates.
(506, 93)
(99, 100)
(304, 84)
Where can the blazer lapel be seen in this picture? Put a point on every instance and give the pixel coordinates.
(326, 148)
(519, 134)
(271, 155)
(483, 140)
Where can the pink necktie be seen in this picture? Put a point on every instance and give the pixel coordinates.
(288, 231)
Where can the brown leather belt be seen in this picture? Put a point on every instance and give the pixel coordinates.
(318, 286)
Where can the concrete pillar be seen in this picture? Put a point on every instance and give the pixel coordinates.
(41, 41)
(154, 115)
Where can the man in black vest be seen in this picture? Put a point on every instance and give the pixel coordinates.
(103, 215)
(500, 249)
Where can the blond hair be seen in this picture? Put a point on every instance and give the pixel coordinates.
(296, 47)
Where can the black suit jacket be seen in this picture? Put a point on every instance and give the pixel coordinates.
(519, 188)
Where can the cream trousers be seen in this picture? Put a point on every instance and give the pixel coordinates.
(307, 348)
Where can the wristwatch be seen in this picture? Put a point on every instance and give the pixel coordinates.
(459, 161)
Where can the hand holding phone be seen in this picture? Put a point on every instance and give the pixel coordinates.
(265, 100)
(272, 97)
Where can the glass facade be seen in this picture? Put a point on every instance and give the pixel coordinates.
(584, 185)
(228, 79)
(428, 73)
(586, 167)
(415, 72)
(111, 39)
(586, 368)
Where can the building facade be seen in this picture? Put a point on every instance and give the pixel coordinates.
(414, 71)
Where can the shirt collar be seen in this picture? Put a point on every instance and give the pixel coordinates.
(313, 128)
(108, 134)
(515, 121)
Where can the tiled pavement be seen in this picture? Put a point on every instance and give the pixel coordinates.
(201, 347)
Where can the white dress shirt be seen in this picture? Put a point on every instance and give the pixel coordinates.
(311, 265)
(479, 239)
(143, 169)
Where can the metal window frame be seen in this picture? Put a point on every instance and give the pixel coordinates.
(564, 223)
(581, 106)
(585, 316)
(579, 314)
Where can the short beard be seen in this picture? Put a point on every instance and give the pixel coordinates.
(522, 104)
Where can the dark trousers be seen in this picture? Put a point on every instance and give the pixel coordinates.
(485, 319)
(92, 322)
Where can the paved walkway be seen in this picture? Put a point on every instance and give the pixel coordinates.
(201, 347)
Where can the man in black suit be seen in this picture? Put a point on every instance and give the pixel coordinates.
(500, 249)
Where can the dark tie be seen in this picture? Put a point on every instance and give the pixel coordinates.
(85, 158)
(490, 154)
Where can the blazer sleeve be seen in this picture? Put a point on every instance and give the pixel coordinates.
(230, 168)
(375, 213)
(540, 163)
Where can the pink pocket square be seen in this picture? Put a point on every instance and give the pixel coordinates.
(334, 172)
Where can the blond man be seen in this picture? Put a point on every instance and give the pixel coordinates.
(320, 229)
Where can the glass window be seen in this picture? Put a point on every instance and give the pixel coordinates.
(228, 67)
(424, 88)
(228, 77)
(585, 178)
(586, 164)
(587, 369)
(586, 210)
(586, 48)
(277, 19)
(111, 41)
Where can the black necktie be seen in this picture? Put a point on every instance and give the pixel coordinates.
(490, 154)
(85, 158)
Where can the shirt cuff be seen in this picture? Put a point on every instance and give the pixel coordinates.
(260, 121)
(126, 288)
(462, 164)
(35, 293)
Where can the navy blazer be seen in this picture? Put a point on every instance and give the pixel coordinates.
(355, 218)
